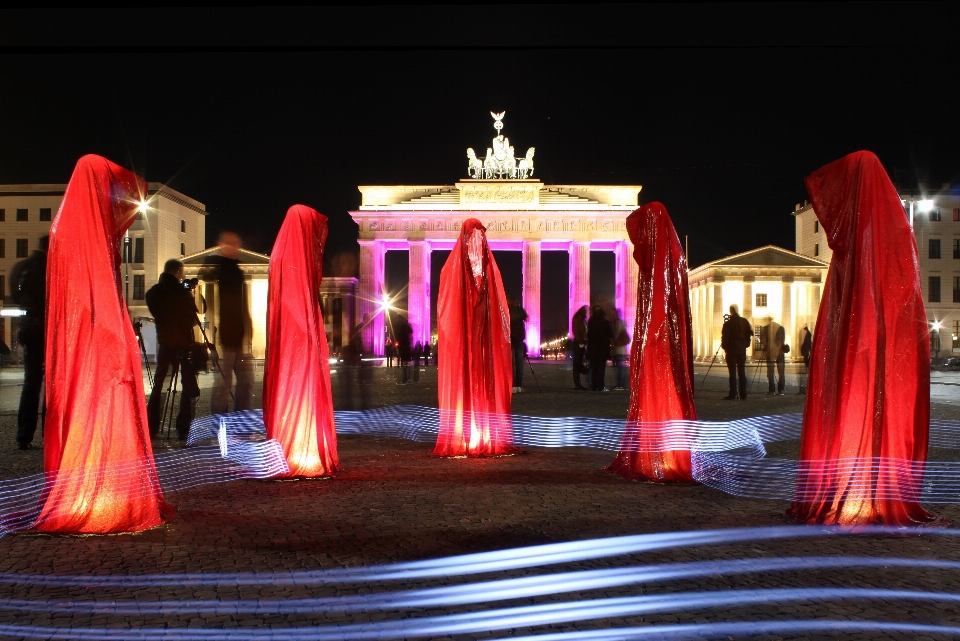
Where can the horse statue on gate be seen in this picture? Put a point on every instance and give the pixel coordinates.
(525, 167)
(474, 166)
(489, 165)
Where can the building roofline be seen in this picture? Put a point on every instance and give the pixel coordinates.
(729, 260)
(176, 196)
(33, 189)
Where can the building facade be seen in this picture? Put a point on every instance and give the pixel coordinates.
(336, 301)
(171, 225)
(771, 287)
(936, 227)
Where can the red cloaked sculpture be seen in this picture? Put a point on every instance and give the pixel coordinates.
(661, 354)
(867, 412)
(297, 399)
(100, 471)
(474, 372)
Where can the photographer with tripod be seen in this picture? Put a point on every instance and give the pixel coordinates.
(175, 313)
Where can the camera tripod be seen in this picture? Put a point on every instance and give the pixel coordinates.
(532, 372)
(137, 326)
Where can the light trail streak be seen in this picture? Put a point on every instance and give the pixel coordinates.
(501, 618)
(480, 592)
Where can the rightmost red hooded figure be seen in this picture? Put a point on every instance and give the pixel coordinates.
(867, 413)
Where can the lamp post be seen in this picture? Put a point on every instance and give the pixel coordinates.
(937, 325)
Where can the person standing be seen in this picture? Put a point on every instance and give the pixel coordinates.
(599, 338)
(806, 348)
(417, 354)
(518, 334)
(776, 338)
(404, 336)
(175, 314)
(28, 285)
(621, 351)
(235, 325)
(579, 344)
(736, 336)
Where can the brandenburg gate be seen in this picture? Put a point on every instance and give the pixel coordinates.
(520, 214)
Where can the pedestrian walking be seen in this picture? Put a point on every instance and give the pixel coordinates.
(621, 352)
(518, 346)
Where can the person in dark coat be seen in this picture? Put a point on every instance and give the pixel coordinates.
(806, 348)
(404, 336)
(599, 340)
(234, 327)
(417, 355)
(736, 336)
(175, 314)
(28, 286)
(518, 334)
(579, 344)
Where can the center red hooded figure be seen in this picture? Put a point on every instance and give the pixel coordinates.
(867, 414)
(661, 356)
(297, 399)
(97, 456)
(474, 370)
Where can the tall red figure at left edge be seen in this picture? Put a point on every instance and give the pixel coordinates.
(101, 476)
(661, 356)
(866, 417)
(474, 372)
(297, 399)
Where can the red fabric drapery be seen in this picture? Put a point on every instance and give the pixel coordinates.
(474, 366)
(297, 399)
(661, 354)
(867, 409)
(101, 476)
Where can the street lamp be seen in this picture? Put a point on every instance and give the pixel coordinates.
(937, 326)
(923, 206)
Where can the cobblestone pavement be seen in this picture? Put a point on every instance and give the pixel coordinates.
(394, 502)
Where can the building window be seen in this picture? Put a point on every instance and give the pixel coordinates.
(934, 287)
(183, 226)
(933, 250)
(956, 289)
(956, 335)
(3, 289)
(21, 248)
(956, 247)
(138, 249)
(761, 300)
(21, 215)
(3, 248)
(45, 214)
(138, 286)
(935, 215)
(816, 227)
(956, 214)
(3, 215)
(183, 251)
(816, 249)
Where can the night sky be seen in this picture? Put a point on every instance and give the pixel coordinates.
(718, 112)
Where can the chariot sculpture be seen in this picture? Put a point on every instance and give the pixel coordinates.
(499, 162)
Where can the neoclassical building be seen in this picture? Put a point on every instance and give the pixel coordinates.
(769, 285)
(520, 213)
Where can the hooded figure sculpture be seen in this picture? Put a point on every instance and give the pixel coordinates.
(867, 413)
(297, 399)
(475, 365)
(97, 457)
(661, 359)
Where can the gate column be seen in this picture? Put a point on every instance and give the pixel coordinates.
(579, 278)
(370, 310)
(531, 295)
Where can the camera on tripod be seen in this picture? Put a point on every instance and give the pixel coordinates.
(190, 283)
